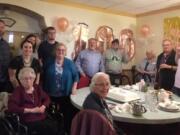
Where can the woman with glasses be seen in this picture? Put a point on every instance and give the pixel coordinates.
(60, 81)
(29, 101)
(24, 60)
(100, 85)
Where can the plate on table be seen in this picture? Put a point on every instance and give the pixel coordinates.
(169, 107)
(111, 105)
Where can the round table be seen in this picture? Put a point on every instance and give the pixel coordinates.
(157, 117)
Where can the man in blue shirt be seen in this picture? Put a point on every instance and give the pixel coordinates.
(90, 61)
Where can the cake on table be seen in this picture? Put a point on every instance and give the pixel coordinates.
(122, 95)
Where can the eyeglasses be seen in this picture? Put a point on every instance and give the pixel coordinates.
(28, 78)
(102, 84)
(61, 50)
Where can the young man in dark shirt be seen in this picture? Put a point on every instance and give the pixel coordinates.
(47, 47)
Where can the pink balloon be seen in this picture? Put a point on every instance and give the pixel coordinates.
(62, 24)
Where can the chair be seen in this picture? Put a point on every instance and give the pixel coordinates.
(83, 82)
(13, 126)
(90, 122)
(124, 77)
(139, 76)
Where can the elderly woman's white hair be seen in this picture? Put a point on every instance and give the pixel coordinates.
(26, 70)
(95, 77)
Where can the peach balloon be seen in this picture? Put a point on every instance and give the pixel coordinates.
(62, 24)
(145, 30)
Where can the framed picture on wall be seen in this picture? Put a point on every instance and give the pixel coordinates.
(9, 22)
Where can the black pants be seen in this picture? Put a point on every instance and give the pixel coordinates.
(115, 79)
(67, 109)
(43, 127)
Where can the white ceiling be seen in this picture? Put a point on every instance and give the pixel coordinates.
(129, 6)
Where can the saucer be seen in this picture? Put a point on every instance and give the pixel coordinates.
(169, 107)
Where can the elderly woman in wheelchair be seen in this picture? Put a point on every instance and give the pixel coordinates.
(29, 101)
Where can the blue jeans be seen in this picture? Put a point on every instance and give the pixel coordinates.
(176, 91)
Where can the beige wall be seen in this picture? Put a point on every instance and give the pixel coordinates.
(93, 18)
(156, 24)
(23, 23)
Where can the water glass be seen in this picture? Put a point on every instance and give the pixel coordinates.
(151, 100)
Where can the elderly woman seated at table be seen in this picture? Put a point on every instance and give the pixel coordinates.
(147, 68)
(99, 87)
(30, 102)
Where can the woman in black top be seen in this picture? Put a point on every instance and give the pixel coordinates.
(24, 60)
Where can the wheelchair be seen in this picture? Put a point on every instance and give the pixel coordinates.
(10, 124)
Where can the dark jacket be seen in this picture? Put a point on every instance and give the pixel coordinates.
(93, 102)
(166, 77)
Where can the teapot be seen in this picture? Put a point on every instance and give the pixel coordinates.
(138, 109)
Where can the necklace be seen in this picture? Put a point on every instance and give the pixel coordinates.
(26, 62)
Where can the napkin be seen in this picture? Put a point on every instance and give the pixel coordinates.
(126, 107)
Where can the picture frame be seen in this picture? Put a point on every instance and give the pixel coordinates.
(9, 22)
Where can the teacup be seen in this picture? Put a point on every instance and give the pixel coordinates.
(138, 109)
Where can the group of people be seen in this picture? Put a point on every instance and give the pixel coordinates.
(59, 76)
(161, 71)
(26, 74)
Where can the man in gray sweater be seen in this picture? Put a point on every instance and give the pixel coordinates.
(113, 59)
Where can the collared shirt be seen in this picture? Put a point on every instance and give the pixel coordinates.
(149, 66)
(107, 111)
(90, 62)
(4, 59)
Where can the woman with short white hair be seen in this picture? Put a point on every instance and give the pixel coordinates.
(30, 102)
(60, 81)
